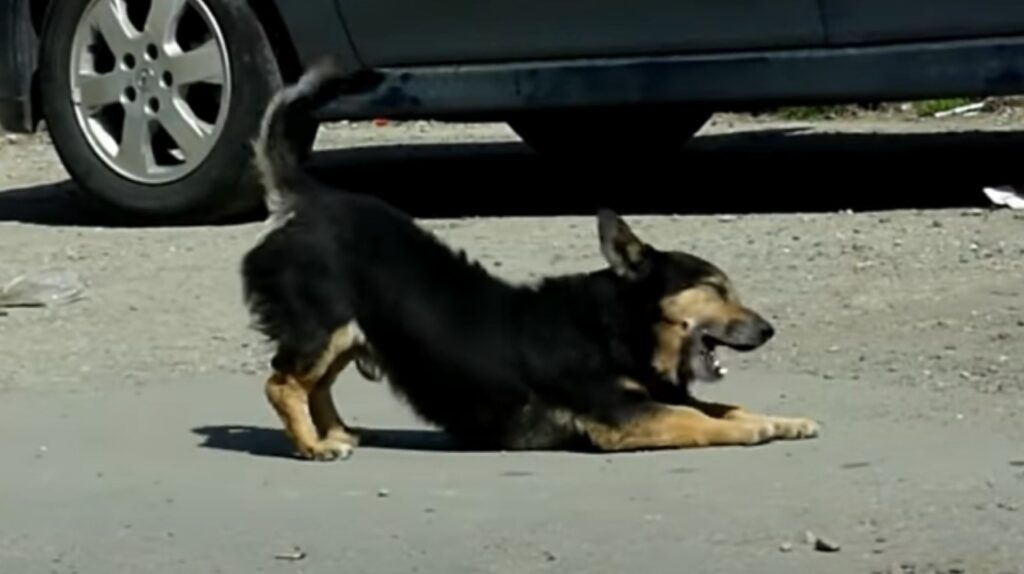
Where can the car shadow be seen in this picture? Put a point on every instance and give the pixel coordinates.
(273, 443)
(756, 171)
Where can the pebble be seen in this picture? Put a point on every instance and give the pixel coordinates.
(825, 545)
(383, 493)
(821, 544)
(294, 556)
(786, 547)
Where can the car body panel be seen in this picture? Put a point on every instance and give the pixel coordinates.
(852, 22)
(472, 87)
(493, 91)
(18, 53)
(403, 32)
(317, 29)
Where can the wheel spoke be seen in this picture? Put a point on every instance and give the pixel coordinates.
(95, 91)
(184, 128)
(111, 19)
(203, 64)
(163, 19)
(136, 151)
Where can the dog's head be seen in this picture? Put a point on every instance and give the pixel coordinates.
(692, 306)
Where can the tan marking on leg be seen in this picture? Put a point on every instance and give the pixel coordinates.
(784, 427)
(676, 427)
(328, 422)
(299, 403)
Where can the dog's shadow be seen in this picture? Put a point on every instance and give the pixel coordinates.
(268, 442)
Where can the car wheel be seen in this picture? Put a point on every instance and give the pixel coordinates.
(612, 133)
(152, 104)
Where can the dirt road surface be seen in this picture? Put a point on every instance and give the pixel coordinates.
(135, 437)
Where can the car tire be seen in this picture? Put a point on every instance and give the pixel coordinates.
(630, 132)
(153, 112)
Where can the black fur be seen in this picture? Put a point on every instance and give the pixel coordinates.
(495, 364)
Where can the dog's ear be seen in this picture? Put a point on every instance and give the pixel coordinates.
(624, 251)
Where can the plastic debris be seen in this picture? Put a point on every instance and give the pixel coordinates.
(294, 556)
(1005, 196)
(965, 110)
(45, 288)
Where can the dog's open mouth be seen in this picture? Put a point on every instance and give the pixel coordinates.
(704, 360)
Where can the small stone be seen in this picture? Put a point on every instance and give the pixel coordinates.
(728, 218)
(825, 545)
(383, 493)
(295, 555)
(550, 557)
(786, 547)
(937, 224)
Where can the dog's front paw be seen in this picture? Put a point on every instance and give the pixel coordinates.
(795, 428)
(755, 432)
(328, 450)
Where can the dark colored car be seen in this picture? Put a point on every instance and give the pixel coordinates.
(152, 103)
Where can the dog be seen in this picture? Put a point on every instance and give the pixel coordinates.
(599, 361)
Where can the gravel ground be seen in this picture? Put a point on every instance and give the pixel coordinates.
(898, 300)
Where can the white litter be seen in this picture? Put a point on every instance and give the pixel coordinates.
(46, 288)
(965, 110)
(1005, 196)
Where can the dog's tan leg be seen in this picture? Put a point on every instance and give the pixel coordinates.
(664, 427)
(785, 427)
(328, 422)
(297, 400)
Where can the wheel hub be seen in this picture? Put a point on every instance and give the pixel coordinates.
(144, 80)
(150, 91)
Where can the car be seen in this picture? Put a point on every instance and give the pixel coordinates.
(151, 104)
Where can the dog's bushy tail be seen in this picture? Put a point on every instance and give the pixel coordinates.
(288, 116)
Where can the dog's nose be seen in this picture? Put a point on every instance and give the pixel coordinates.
(749, 333)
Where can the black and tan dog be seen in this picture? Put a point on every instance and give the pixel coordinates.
(602, 360)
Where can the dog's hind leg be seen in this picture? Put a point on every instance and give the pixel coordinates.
(665, 427)
(302, 400)
(328, 422)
